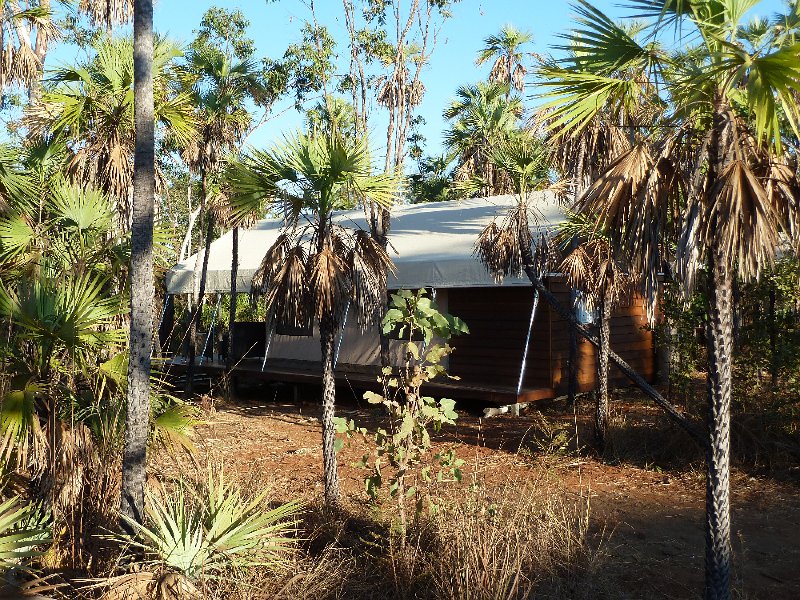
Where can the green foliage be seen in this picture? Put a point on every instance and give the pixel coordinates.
(225, 30)
(201, 532)
(22, 533)
(89, 108)
(307, 65)
(406, 442)
(433, 181)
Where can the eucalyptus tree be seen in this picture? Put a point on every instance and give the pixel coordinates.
(505, 49)
(710, 174)
(595, 268)
(481, 117)
(318, 266)
(90, 108)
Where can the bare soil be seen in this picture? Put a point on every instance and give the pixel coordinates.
(647, 514)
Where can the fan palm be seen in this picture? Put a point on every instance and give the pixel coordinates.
(317, 266)
(480, 118)
(596, 269)
(90, 107)
(508, 67)
(219, 89)
(710, 175)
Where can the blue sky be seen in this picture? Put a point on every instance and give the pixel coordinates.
(274, 25)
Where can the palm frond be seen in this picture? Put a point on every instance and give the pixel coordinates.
(329, 279)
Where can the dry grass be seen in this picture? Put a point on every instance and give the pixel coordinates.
(482, 542)
(521, 542)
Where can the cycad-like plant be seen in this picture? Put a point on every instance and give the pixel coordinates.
(317, 267)
(709, 175)
(196, 534)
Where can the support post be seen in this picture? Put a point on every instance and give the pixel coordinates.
(527, 342)
(266, 349)
(211, 330)
(341, 335)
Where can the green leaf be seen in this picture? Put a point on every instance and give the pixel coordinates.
(407, 425)
(373, 398)
(448, 408)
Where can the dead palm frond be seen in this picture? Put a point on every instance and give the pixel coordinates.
(107, 12)
(368, 264)
(329, 279)
(592, 265)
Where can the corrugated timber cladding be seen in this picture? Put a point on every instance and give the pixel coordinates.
(498, 320)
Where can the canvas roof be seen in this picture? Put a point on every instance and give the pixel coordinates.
(431, 244)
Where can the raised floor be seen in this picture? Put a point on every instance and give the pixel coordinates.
(356, 376)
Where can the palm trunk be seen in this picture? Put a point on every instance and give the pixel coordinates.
(718, 519)
(601, 409)
(572, 359)
(198, 311)
(773, 337)
(234, 296)
(327, 333)
(137, 418)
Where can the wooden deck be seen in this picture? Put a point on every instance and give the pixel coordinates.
(357, 376)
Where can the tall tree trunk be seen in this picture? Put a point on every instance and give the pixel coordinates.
(137, 418)
(234, 296)
(572, 358)
(327, 334)
(720, 342)
(601, 408)
(198, 311)
(773, 337)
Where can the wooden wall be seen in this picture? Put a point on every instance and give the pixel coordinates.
(498, 320)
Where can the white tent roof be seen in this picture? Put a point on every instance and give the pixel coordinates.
(431, 245)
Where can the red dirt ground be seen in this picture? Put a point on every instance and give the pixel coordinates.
(649, 520)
